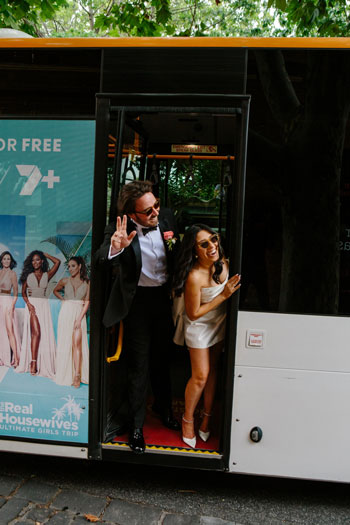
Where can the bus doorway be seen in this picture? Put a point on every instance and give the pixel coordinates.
(193, 149)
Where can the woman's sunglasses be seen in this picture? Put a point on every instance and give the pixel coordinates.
(149, 211)
(214, 239)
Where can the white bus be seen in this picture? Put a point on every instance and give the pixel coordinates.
(250, 136)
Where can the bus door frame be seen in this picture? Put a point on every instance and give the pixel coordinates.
(120, 103)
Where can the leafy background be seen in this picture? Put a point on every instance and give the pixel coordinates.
(240, 18)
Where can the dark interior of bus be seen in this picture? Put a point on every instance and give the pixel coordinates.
(189, 155)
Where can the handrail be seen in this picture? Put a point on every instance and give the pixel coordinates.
(119, 348)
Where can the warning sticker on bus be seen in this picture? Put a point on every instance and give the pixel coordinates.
(193, 148)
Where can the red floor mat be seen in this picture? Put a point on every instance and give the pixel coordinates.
(157, 434)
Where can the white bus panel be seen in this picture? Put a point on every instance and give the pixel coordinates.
(295, 388)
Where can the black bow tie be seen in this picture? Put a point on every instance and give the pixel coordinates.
(146, 230)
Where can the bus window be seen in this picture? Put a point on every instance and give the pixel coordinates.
(296, 228)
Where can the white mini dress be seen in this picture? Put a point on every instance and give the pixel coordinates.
(205, 331)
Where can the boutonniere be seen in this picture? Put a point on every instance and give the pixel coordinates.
(169, 239)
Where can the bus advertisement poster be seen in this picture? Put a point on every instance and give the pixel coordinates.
(46, 184)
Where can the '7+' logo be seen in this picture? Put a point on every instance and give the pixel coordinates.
(34, 177)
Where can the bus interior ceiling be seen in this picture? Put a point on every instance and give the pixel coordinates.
(182, 150)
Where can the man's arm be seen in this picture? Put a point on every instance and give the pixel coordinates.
(115, 241)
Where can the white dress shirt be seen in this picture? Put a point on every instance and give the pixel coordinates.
(153, 256)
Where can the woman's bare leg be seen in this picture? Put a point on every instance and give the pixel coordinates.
(34, 343)
(210, 387)
(77, 356)
(194, 388)
(11, 336)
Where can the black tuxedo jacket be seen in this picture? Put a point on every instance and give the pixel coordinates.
(126, 267)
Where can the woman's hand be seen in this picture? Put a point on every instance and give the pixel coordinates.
(120, 238)
(56, 264)
(77, 325)
(232, 285)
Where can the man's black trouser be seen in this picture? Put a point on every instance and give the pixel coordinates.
(147, 342)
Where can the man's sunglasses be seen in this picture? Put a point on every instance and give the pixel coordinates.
(149, 211)
(214, 239)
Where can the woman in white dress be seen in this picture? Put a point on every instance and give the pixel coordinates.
(38, 353)
(202, 276)
(9, 334)
(72, 367)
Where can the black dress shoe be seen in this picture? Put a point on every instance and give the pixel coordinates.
(136, 441)
(170, 422)
(167, 418)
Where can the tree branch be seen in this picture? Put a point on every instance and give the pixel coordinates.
(193, 15)
(109, 7)
(277, 87)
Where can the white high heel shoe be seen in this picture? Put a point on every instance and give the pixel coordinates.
(191, 442)
(204, 435)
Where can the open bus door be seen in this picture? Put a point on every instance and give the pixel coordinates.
(167, 139)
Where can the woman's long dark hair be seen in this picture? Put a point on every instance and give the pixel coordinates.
(28, 266)
(187, 257)
(13, 263)
(83, 269)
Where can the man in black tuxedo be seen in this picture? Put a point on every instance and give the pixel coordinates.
(141, 249)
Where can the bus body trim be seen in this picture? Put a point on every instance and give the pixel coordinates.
(178, 42)
(44, 449)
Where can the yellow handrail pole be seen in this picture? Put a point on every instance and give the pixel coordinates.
(190, 156)
(119, 348)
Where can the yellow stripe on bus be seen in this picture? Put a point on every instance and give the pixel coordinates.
(178, 42)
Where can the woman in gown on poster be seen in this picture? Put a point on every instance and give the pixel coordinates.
(9, 333)
(72, 365)
(38, 353)
(202, 282)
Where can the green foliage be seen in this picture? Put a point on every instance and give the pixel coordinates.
(198, 182)
(78, 19)
(224, 18)
(239, 18)
(27, 15)
(136, 18)
(314, 17)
